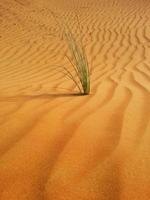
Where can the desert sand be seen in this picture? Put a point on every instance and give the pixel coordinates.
(56, 146)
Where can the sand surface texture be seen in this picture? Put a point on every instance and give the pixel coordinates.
(56, 146)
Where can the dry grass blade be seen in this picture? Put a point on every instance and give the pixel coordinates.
(78, 59)
(79, 62)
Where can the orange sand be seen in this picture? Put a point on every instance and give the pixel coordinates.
(55, 146)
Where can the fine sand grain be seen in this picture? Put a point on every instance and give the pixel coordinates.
(58, 146)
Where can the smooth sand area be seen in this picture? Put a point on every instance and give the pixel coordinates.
(57, 146)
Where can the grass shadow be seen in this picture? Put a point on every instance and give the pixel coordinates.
(40, 96)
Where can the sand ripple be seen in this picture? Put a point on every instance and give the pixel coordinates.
(56, 146)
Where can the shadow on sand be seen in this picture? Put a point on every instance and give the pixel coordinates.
(40, 96)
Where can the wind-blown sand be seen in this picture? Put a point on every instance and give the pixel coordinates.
(56, 146)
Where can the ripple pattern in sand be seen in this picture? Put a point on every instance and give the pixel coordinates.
(56, 146)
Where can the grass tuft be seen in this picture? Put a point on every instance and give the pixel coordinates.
(78, 60)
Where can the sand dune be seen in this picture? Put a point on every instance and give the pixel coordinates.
(57, 146)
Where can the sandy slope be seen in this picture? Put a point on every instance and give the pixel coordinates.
(54, 146)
